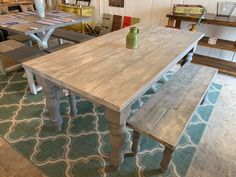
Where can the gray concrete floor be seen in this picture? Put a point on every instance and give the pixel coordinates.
(216, 153)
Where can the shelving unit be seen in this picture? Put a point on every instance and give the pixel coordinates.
(228, 67)
(221, 44)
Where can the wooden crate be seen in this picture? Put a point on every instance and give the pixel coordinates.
(188, 9)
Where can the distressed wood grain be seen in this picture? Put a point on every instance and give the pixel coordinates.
(105, 71)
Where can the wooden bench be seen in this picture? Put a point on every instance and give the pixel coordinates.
(7, 64)
(165, 116)
(72, 36)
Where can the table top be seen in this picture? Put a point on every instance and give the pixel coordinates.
(209, 18)
(30, 23)
(104, 71)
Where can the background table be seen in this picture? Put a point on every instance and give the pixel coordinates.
(105, 72)
(42, 32)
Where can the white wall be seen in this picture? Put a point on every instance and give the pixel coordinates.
(154, 12)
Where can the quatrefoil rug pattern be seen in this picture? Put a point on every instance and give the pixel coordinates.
(82, 148)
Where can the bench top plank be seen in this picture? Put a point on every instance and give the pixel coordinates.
(168, 112)
(22, 54)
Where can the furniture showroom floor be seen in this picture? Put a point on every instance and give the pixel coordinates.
(215, 155)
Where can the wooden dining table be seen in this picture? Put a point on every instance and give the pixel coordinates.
(105, 72)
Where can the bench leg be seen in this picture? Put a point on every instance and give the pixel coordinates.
(72, 103)
(167, 155)
(117, 139)
(136, 144)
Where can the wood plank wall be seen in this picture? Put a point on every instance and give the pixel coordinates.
(154, 12)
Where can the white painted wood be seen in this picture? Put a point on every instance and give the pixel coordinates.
(31, 83)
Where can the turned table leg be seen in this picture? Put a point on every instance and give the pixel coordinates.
(50, 91)
(167, 155)
(117, 125)
(117, 139)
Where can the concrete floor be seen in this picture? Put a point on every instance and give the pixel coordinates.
(215, 156)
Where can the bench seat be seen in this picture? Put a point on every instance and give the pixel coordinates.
(72, 36)
(7, 64)
(58, 47)
(165, 116)
(23, 54)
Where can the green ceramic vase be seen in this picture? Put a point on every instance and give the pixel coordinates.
(132, 38)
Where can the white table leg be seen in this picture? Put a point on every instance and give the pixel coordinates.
(42, 38)
(31, 82)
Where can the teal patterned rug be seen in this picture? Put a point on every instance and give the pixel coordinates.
(82, 148)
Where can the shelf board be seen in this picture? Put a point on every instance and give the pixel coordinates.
(220, 44)
(224, 66)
